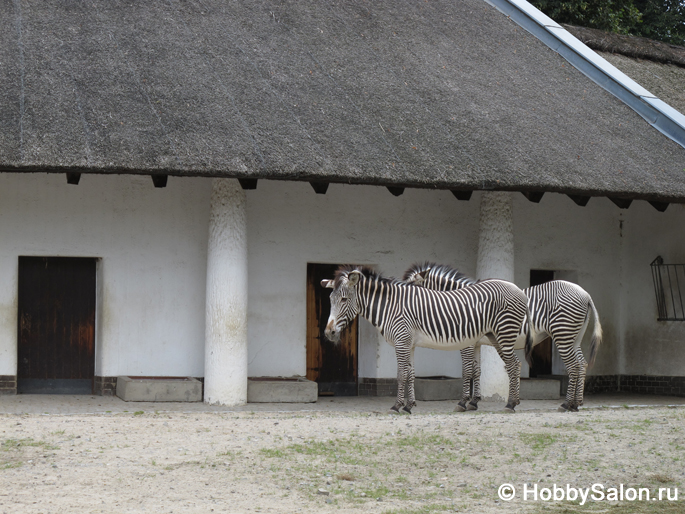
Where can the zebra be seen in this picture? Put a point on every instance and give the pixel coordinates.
(559, 309)
(409, 316)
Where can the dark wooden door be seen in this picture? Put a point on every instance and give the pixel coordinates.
(56, 326)
(332, 366)
(542, 352)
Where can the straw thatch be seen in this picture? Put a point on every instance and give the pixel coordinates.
(443, 94)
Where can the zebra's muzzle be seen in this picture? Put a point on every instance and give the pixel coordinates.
(332, 334)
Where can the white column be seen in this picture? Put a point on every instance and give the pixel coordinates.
(226, 303)
(495, 260)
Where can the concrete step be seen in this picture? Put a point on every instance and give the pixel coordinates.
(159, 389)
(437, 388)
(540, 389)
(281, 390)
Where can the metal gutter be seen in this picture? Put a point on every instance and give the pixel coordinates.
(657, 113)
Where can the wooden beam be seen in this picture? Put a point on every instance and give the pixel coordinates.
(248, 183)
(73, 178)
(580, 200)
(159, 180)
(533, 196)
(395, 191)
(659, 206)
(621, 203)
(462, 195)
(320, 187)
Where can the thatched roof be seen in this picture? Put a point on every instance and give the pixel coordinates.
(630, 46)
(659, 67)
(444, 94)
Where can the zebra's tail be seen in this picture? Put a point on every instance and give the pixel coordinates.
(529, 338)
(596, 335)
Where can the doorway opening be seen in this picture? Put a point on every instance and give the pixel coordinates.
(56, 325)
(332, 366)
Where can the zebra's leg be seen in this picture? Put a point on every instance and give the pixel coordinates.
(410, 395)
(475, 378)
(580, 384)
(402, 352)
(568, 356)
(505, 349)
(467, 364)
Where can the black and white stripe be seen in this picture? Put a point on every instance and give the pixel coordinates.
(409, 316)
(559, 309)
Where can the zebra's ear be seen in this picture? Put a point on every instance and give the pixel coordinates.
(353, 277)
(328, 284)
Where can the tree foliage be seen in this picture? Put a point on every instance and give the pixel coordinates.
(663, 20)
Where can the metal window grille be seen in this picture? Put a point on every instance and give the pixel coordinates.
(669, 286)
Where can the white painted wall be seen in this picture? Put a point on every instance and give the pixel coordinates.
(151, 277)
(651, 347)
(557, 234)
(289, 225)
(153, 249)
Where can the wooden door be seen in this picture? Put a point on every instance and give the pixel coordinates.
(542, 352)
(332, 366)
(56, 325)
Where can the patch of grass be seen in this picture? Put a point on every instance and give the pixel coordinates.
(272, 452)
(138, 413)
(539, 442)
(12, 451)
(662, 478)
(420, 510)
(12, 444)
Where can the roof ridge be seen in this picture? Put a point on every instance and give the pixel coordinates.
(631, 46)
(656, 112)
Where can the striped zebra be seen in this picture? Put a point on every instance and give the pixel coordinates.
(409, 316)
(559, 309)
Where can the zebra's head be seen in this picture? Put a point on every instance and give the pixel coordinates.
(344, 302)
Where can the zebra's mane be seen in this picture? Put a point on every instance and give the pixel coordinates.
(368, 273)
(438, 270)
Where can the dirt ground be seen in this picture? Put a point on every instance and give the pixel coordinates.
(341, 461)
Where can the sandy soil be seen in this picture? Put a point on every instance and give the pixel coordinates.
(336, 461)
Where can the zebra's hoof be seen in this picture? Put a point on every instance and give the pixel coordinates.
(564, 407)
(472, 406)
(573, 408)
(510, 407)
(407, 410)
(460, 408)
(395, 409)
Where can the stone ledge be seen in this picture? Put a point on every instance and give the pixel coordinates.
(159, 389)
(281, 390)
(437, 388)
(540, 389)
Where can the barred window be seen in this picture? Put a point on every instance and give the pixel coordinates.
(669, 285)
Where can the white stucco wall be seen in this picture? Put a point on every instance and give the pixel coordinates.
(153, 249)
(151, 277)
(289, 225)
(651, 347)
(557, 234)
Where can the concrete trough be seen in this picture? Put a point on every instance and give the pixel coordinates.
(281, 390)
(159, 389)
(437, 388)
(563, 381)
(540, 389)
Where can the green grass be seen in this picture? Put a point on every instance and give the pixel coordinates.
(12, 451)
